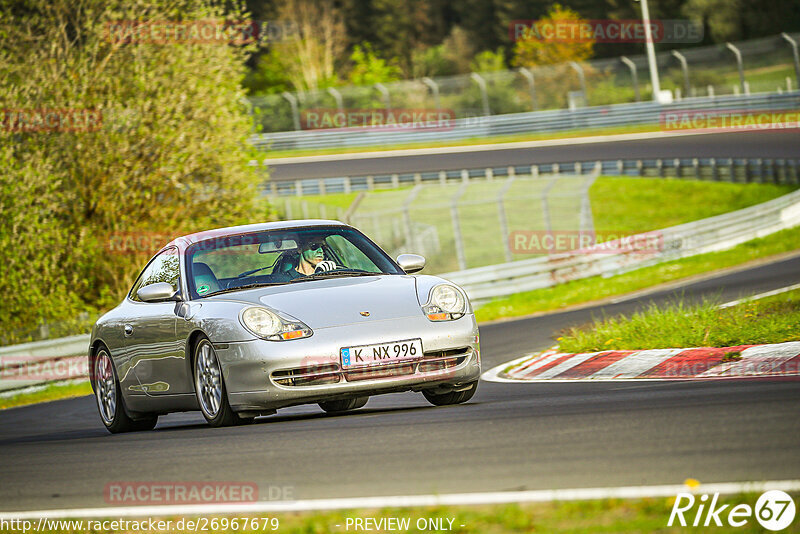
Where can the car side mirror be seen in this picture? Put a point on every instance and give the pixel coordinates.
(411, 263)
(156, 292)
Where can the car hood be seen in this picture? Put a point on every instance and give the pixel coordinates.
(339, 301)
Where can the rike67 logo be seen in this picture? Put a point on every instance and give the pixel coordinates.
(774, 510)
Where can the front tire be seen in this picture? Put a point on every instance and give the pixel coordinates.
(209, 386)
(344, 405)
(110, 403)
(452, 397)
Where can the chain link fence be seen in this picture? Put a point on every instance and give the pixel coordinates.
(761, 65)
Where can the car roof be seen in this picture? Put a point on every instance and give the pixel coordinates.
(184, 241)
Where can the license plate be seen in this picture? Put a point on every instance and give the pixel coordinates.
(382, 353)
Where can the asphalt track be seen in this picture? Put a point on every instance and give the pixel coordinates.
(745, 144)
(509, 437)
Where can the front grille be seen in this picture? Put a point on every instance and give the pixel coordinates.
(332, 374)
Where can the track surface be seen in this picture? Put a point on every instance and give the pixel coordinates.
(509, 437)
(747, 144)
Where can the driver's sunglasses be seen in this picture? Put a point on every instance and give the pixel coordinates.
(314, 245)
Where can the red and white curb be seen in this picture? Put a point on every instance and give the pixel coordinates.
(781, 359)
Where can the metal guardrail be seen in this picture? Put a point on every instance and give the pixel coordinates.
(744, 170)
(40, 362)
(697, 237)
(530, 122)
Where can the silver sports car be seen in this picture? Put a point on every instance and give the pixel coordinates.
(241, 321)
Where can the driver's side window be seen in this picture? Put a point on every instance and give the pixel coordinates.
(163, 268)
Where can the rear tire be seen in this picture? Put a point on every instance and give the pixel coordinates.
(453, 397)
(109, 399)
(344, 405)
(209, 386)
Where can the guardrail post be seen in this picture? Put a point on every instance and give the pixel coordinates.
(465, 176)
(273, 188)
(488, 174)
(322, 188)
(458, 237)
(370, 183)
(696, 165)
(531, 85)
(395, 181)
(714, 170)
(298, 188)
(387, 100)
(512, 171)
(477, 78)
(660, 167)
(582, 77)
(348, 186)
(434, 87)
(739, 64)
(295, 113)
(501, 215)
(634, 76)
(338, 97)
(795, 54)
(417, 178)
(685, 69)
(710, 89)
(678, 168)
(442, 177)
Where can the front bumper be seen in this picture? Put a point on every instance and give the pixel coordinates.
(267, 375)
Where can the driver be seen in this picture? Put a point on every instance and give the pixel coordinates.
(312, 260)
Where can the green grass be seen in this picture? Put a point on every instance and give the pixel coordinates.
(48, 393)
(574, 517)
(675, 325)
(597, 288)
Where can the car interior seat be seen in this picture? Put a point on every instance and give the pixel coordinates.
(204, 276)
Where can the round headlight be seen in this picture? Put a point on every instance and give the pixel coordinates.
(448, 299)
(261, 321)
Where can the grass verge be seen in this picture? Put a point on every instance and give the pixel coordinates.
(575, 517)
(46, 394)
(598, 288)
(772, 319)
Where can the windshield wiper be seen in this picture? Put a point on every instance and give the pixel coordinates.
(248, 273)
(332, 274)
(246, 286)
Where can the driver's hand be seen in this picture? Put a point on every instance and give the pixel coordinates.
(324, 266)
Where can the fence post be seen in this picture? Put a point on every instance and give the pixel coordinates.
(531, 85)
(435, 90)
(387, 100)
(582, 77)
(634, 76)
(685, 69)
(484, 95)
(795, 54)
(739, 64)
(546, 207)
(501, 215)
(457, 236)
(585, 221)
(338, 97)
(295, 113)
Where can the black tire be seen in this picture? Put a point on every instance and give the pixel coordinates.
(105, 382)
(221, 413)
(453, 397)
(344, 405)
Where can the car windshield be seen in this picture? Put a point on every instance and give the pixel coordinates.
(240, 261)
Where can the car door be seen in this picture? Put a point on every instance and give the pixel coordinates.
(153, 345)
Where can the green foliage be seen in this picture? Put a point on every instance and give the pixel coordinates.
(488, 61)
(368, 69)
(168, 157)
(268, 76)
